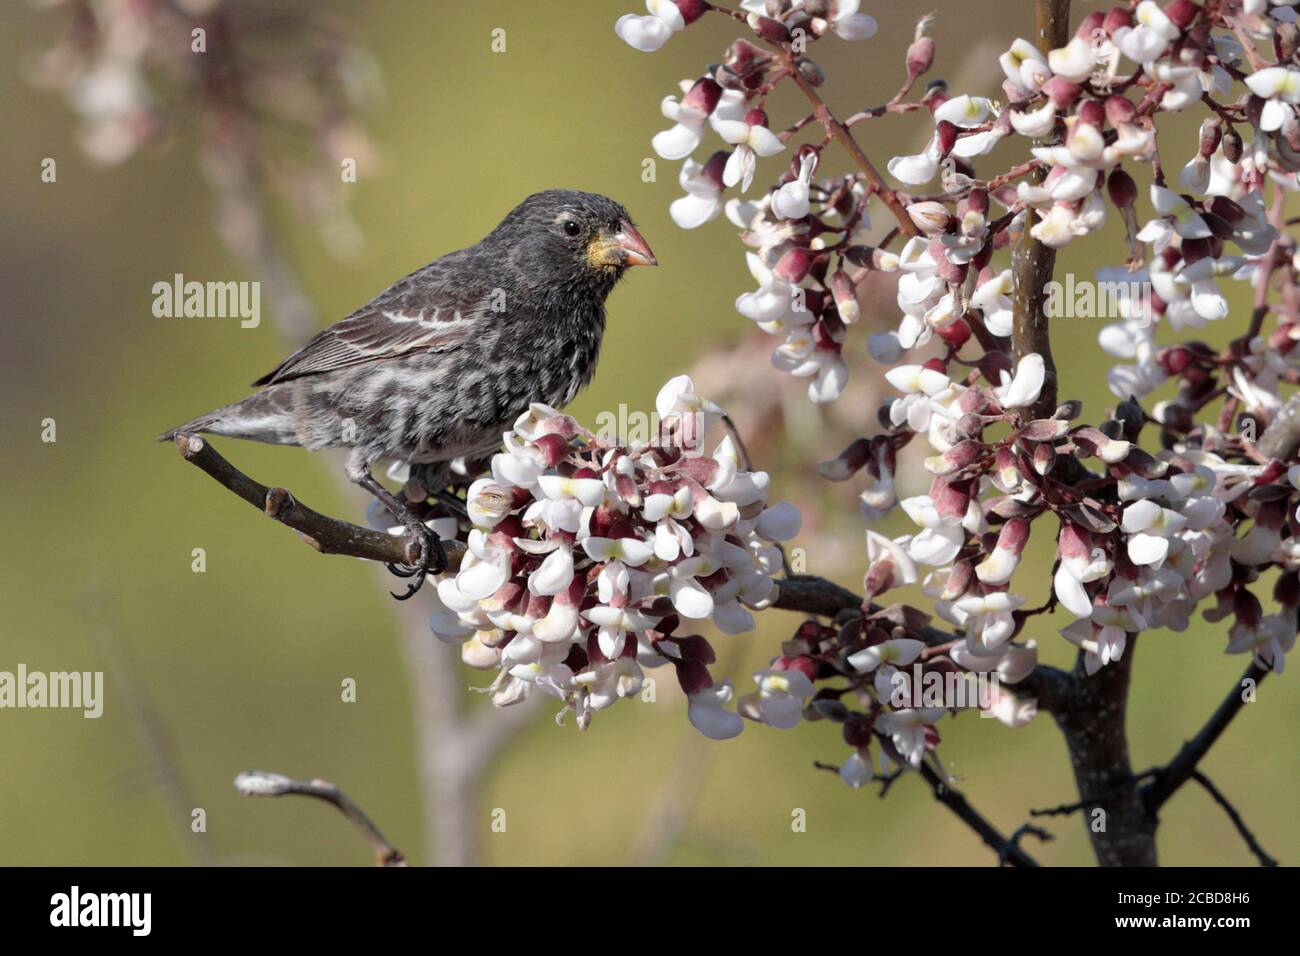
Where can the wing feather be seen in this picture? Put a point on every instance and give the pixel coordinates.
(418, 314)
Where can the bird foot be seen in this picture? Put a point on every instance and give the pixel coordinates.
(431, 559)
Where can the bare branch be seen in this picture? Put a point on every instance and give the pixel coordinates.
(1179, 770)
(260, 783)
(1008, 850)
(1235, 817)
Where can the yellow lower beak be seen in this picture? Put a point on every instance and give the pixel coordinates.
(623, 249)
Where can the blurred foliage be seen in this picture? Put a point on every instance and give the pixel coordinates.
(242, 664)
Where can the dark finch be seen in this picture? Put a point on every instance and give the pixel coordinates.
(443, 361)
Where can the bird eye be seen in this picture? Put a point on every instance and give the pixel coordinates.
(571, 227)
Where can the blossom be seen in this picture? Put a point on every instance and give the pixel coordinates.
(649, 33)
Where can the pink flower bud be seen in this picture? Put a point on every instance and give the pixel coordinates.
(1091, 113)
(1247, 608)
(1232, 147)
(1211, 134)
(1062, 92)
(691, 10)
(920, 57)
(1090, 24)
(703, 96)
(1120, 111)
(794, 265)
(773, 31)
(956, 333)
(846, 297)
(1182, 12)
(930, 217)
(945, 134)
(1117, 18)
(1121, 188)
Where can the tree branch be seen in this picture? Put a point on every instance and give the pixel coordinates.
(1033, 262)
(841, 134)
(1008, 850)
(1235, 817)
(327, 535)
(260, 783)
(1179, 770)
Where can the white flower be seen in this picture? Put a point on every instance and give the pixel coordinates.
(1281, 87)
(708, 715)
(648, 34)
(791, 200)
(781, 697)
(1024, 388)
(750, 141)
(849, 24)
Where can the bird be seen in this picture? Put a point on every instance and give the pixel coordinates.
(441, 363)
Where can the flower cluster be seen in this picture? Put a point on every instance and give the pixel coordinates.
(591, 558)
(1143, 537)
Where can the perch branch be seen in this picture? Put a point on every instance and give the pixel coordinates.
(327, 535)
(259, 783)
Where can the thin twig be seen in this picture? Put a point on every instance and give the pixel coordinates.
(1009, 852)
(1235, 817)
(1179, 770)
(260, 783)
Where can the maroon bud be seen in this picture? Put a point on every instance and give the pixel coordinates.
(1232, 146)
(1117, 18)
(553, 449)
(857, 734)
(1092, 113)
(946, 135)
(977, 201)
(773, 31)
(920, 57)
(804, 665)
(756, 117)
(956, 333)
(1121, 188)
(794, 265)
(1044, 458)
(703, 96)
(1247, 608)
(1175, 360)
(810, 71)
(691, 10)
(1090, 25)
(714, 168)
(1062, 92)
(1182, 12)
(1225, 208)
(693, 676)
(1211, 133)
(1120, 111)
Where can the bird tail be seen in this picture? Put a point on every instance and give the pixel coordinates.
(265, 417)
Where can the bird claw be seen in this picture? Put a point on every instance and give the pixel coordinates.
(432, 559)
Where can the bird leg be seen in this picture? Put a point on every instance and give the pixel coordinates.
(431, 557)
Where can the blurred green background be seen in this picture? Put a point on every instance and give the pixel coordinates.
(240, 667)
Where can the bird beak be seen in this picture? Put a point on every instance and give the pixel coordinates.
(626, 248)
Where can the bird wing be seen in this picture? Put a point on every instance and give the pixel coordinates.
(419, 313)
